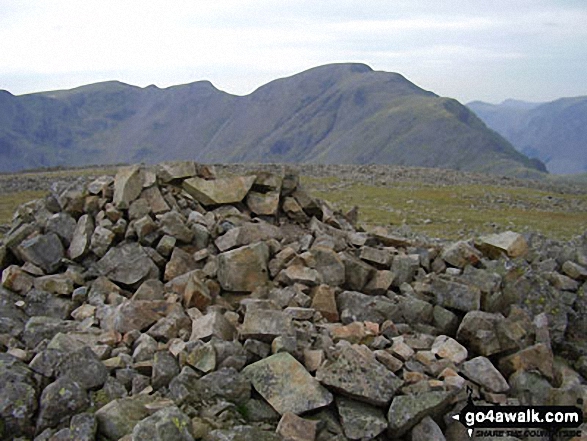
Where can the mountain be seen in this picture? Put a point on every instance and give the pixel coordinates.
(338, 113)
(555, 132)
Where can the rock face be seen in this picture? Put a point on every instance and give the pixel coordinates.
(189, 307)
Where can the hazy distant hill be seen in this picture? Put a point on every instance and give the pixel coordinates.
(340, 113)
(554, 132)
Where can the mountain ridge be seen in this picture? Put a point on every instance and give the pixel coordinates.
(554, 132)
(337, 113)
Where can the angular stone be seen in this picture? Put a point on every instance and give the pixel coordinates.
(324, 301)
(196, 294)
(480, 370)
(265, 325)
(42, 303)
(360, 420)
(510, 243)
(45, 251)
(478, 332)
(181, 262)
(286, 384)
(167, 424)
(537, 357)
(127, 264)
(101, 240)
(357, 307)
(165, 368)
(15, 279)
(128, 185)
(299, 274)
(376, 256)
(171, 170)
(58, 284)
(63, 225)
(357, 374)
(100, 185)
(408, 410)
(355, 332)
(202, 358)
(119, 417)
(263, 204)
(574, 271)
(151, 289)
(247, 234)
(155, 200)
(388, 239)
(449, 348)
(80, 242)
(357, 272)
(244, 269)
(242, 433)
(379, 283)
(329, 265)
(219, 191)
(293, 210)
(460, 254)
(133, 315)
(173, 224)
(455, 295)
(83, 367)
(41, 327)
(294, 428)
(212, 324)
(404, 268)
(60, 400)
(427, 430)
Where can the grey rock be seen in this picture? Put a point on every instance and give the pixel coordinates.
(286, 385)
(82, 236)
(38, 328)
(173, 224)
(242, 433)
(59, 401)
(212, 324)
(127, 264)
(480, 370)
(167, 424)
(376, 256)
(58, 284)
(427, 430)
(265, 325)
(219, 191)
(172, 170)
(63, 225)
(43, 303)
(45, 251)
(357, 272)
(101, 241)
(461, 254)
(119, 417)
(357, 374)
(132, 315)
(455, 295)
(263, 204)
(83, 427)
(329, 265)
(18, 397)
(83, 367)
(360, 420)
(128, 185)
(247, 234)
(355, 306)
(244, 269)
(478, 332)
(404, 268)
(509, 243)
(165, 368)
(408, 410)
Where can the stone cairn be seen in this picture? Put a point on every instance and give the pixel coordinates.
(170, 304)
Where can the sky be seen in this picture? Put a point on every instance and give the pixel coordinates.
(489, 50)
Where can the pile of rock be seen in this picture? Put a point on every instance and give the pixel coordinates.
(168, 304)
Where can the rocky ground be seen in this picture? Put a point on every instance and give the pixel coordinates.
(172, 303)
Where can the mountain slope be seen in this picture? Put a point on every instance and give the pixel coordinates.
(339, 113)
(554, 132)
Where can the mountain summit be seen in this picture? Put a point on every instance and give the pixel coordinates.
(338, 113)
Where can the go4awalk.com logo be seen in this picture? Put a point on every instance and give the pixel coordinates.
(520, 421)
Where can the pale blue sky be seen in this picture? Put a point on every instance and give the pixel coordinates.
(533, 50)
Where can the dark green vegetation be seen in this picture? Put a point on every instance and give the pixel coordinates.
(554, 132)
(342, 113)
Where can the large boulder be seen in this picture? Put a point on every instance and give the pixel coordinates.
(219, 191)
(244, 269)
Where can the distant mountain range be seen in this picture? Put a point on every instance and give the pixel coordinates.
(338, 113)
(554, 132)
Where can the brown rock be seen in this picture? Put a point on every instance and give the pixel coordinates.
(213, 324)
(510, 243)
(292, 427)
(538, 357)
(128, 185)
(244, 269)
(264, 204)
(324, 301)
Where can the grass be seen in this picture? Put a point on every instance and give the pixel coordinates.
(450, 212)
(459, 211)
